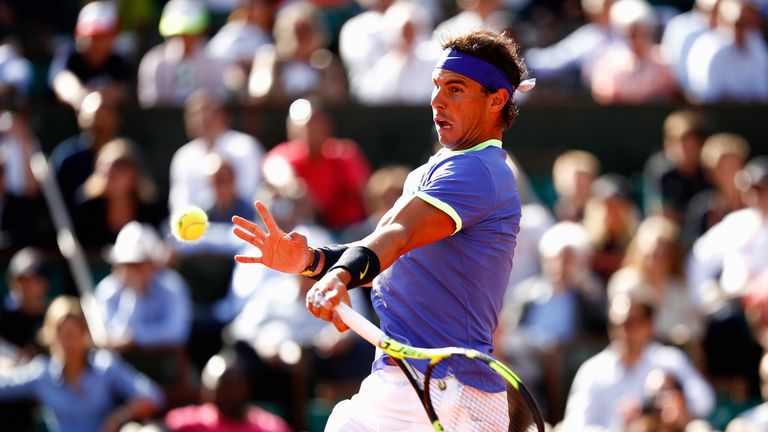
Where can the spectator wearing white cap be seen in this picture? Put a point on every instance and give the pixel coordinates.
(93, 64)
(144, 303)
(636, 72)
(172, 70)
(730, 62)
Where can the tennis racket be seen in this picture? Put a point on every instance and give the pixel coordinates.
(450, 405)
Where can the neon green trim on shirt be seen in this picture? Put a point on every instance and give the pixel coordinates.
(491, 142)
(442, 206)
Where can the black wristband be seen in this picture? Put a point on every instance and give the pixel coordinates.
(332, 255)
(361, 263)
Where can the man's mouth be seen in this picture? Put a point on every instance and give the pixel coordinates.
(443, 124)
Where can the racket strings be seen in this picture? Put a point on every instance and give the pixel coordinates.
(462, 408)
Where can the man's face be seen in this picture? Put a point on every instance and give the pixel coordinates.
(461, 110)
(136, 276)
(633, 328)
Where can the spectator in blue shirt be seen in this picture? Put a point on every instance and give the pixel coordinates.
(80, 389)
(144, 303)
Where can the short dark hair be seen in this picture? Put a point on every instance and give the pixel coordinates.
(498, 49)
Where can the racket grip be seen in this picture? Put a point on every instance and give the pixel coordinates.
(360, 325)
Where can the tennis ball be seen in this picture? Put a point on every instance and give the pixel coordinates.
(190, 224)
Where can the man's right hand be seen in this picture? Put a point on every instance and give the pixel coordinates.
(288, 253)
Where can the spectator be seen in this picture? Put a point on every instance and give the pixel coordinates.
(734, 252)
(21, 314)
(403, 73)
(754, 419)
(575, 54)
(665, 408)
(362, 41)
(636, 72)
(144, 303)
(221, 174)
(20, 223)
(299, 64)
(208, 125)
(15, 73)
(730, 62)
(19, 143)
(561, 303)
(79, 387)
(333, 169)
(653, 268)
(118, 192)
(573, 173)
(474, 14)
(382, 190)
(611, 219)
(225, 407)
(170, 72)
(247, 30)
(92, 65)
(673, 176)
(74, 159)
(682, 31)
(723, 156)
(236, 43)
(609, 387)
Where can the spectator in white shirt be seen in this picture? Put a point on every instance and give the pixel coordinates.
(236, 43)
(577, 52)
(245, 32)
(208, 125)
(475, 13)
(682, 31)
(172, 70)
(609, 387)
(403, 74)
(734, 252)
(363, 40)
(730, 62)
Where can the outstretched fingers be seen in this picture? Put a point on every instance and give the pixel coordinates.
(266, 216)
(246, 259)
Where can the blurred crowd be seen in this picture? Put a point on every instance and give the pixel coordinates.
(632, 306)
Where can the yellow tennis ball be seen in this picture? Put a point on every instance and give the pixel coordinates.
(190, 224)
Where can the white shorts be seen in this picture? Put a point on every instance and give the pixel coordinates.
(387, 402)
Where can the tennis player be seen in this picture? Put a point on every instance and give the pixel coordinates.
(440, 259)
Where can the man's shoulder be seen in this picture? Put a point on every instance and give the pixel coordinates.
(171, 281)
(240, 142)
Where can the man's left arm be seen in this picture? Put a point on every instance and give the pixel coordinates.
(417, 223)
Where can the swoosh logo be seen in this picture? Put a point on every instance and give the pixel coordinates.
(365, 271)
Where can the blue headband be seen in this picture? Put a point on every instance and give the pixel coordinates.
(474, 68)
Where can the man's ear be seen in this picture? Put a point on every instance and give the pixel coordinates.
(499, 100)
